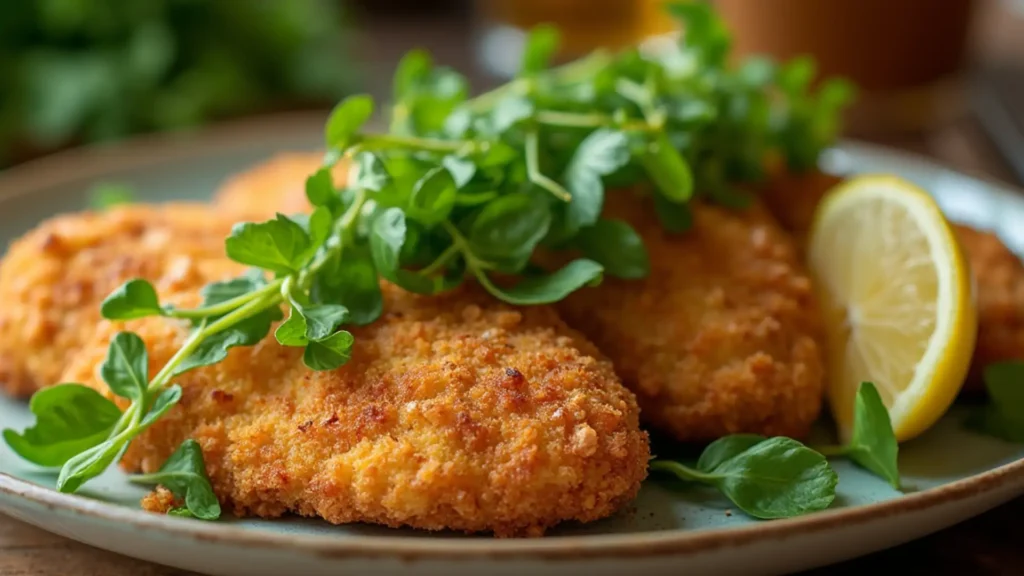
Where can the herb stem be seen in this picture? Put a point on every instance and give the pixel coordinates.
(348, 219)
(485, 281)
(215, 310)
(567, 73)
(384, 141)
(131, 417)
(475, 265)
(441, 260)
(533, 169)
(683, 472)
(575, 120)
(462, 244)
(267, 297)
(345, 228)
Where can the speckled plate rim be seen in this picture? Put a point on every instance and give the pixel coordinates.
(96, 160)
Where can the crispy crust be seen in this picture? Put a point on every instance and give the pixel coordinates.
(455, 412)
(999, 277)
(721, 338)
(54, 278)
(274, 185)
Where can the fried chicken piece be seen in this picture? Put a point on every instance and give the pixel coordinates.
(793, 199)
(277, 184)
(54, 278)
(999, 279)
(454, 412)
(721, 337)
(998, 272)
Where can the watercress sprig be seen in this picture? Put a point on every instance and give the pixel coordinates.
(767, 478)
(780, 477)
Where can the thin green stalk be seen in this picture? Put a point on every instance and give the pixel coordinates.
(269, 296)
(486, 281)
(533, 169)
(441, 260)
(575, 120)
(567, 73)
(214, 310)
(462, 244)
(348, 219)
(131, 417)
(345, 229)
(477, 267)
(385, 141)
(680, 470)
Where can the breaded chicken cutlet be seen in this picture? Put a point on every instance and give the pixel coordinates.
(275, 185)
(54, 278)
(454, 412)
(998, 272)
(999, 277)
(721, 338)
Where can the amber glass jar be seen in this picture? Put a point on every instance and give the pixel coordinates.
(906, 56)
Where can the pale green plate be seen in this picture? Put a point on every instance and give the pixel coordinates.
(949, 474)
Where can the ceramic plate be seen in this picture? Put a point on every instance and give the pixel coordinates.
(950, 474)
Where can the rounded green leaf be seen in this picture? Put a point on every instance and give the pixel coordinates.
(135, 298)
(347, 118)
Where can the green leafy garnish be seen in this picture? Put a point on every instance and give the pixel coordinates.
(468, 189)
(70, 418)
(1003, 417)
(126, 367)
(765, 477)
(134, 299)
(184, 474)
(279, 245)
(617, 247)
(872, 441)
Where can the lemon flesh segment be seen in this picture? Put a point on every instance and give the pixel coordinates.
(897, 301)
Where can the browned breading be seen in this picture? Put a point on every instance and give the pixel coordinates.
(53, 279)
(999, 278)
(722, 336)
(455, 412)
(277, 184)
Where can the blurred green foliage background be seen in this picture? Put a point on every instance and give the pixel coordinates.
(79, 71)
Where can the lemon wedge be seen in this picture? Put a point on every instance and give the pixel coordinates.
(897, 299)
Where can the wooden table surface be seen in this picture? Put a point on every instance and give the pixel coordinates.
(986, 545)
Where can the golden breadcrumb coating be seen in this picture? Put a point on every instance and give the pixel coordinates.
(999, 278)
(54, 278)
(998, 272)
(277, 184)
(722, 336)
(455, 412)
(160, 500)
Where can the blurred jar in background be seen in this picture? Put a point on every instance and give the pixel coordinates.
(906, 56)
(584, 25)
